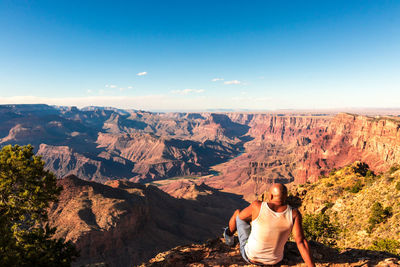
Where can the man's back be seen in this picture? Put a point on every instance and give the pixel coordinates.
(269, 232)
(272, 223)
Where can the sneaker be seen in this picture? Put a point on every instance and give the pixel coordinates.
(229, 239)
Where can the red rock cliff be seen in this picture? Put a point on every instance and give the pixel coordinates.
(302, 148)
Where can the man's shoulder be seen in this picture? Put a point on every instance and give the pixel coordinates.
(255, 208)
(296, 213)
(256, 204)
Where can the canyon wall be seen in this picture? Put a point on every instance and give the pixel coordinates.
(302, 148)
(103, 144)
(247, 150)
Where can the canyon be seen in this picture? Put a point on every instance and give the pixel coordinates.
(237, 152)
(137, 182)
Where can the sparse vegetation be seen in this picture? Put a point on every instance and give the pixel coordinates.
(329, 205)
(365, 206)
(360, 168)
(378, 215)
(387, 245)
(319, 228)
(294, 201)
(370, 178)
(355, 188)
(333, 172)
(398, 186)
(389, 179)
(369, 174)
(394, 168)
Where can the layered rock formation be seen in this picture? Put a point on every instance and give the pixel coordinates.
(161, 157)
(248, 151)
(105, 143)
(124, 223)
(301, 149)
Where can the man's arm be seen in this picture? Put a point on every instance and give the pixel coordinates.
(301, 242)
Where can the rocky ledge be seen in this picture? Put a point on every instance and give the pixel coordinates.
(216, 253)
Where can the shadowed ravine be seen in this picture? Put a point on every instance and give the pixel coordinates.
(124, 223)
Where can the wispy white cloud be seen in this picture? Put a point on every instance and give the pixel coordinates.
(142, 73)
(187, 91)
(217, 79)
(113, 86)
(89, 91)
(233, 82)
(246, 98)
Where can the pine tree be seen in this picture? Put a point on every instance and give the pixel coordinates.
(26, 190)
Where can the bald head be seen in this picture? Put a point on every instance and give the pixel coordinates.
(278, 193)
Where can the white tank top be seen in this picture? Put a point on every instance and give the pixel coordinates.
(269, 233)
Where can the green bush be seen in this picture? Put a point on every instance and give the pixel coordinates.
(318, 227)
(329, 205)
(26, 189)
(339, 190)
(389, 179)
(370, 178)
(360, 168)
(355, 188)
(394, 168)
(378, 215)
(369, 174)
(387, 245)
(294, 201)
(398, 186)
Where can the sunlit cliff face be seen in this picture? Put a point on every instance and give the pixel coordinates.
(242, 152)
(303, 148)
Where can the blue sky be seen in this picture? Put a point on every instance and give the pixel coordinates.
(194, 55)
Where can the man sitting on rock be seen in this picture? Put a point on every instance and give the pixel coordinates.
(264, 240)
